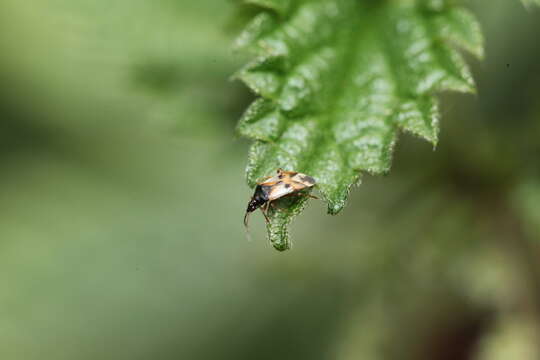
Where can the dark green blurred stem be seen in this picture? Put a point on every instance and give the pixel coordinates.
(522, 253)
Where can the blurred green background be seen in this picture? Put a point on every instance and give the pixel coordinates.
(122, 194)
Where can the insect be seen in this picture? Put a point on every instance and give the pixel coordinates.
(275, 187)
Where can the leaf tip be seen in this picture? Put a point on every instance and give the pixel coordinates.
(281, 246)
(280, 216)
(335, 208)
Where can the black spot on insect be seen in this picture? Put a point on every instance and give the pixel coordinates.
(287, 186)
(308, 179)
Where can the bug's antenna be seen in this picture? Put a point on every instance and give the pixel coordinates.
(246, 224)
(246, 219)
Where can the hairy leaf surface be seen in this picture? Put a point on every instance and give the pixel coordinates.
(338, 80)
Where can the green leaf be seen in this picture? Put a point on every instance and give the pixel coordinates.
(337, 81)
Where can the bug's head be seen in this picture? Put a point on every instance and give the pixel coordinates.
(253, 205)
(257, 200)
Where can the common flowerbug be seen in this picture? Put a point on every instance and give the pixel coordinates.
(275, 187)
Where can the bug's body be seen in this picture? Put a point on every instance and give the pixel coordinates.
(275, 187)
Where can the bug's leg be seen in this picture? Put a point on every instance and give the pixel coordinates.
(268, 204)
(312, 196)
(264, 212)
(265, 216)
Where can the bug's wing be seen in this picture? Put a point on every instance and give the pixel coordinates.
(303, 179)
(284, 173)
(298, 186)
(280, 190)
(265, 179)
(269, 181)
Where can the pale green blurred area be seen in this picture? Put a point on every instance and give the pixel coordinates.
(122, 194)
